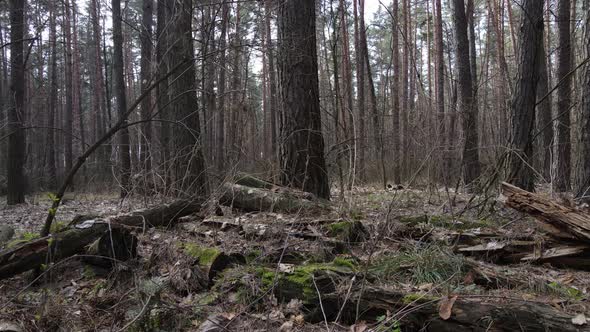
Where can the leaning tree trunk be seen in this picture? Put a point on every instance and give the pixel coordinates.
(523, 103)
(303, 161)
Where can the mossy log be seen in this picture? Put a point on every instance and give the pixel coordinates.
(35, 253)
(281, 200)
(212, 261)
(77, 237)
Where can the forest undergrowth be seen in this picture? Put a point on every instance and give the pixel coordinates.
(229, 270)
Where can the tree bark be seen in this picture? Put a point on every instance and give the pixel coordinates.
(16, 113)
(360, 95)
(545, 118)
(468, 109)
(582, 189)
(189, 164)
(440, 93)
(562, 166)
(395, 94)
(523, 104)
(303, 161)
(146, 77)
(119, 78)
(51, 162)
(220, 141)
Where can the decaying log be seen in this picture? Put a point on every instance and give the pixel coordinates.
(280, 200)
(330, 291)
(559, 220)
(248, 180)
(33, 254)
(76, 238)
(467, 314)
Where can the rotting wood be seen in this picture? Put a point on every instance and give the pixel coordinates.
(263, 200)
(75, 239)
(560, 221)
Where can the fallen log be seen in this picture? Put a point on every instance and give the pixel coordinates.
(336, 291)
(281, 200)
(558, 220)
(423, 313)
(248, 180)
(76, 238)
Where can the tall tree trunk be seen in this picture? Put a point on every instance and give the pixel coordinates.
(119, 86)
(468, 109)
(404, 124)
(440, 92)
(339, 113)
(360, 96)
(209, 73)
(51, 167)
(162, 90)
(220, 141)
(76, 85)
(545, 118)
(377, 127)
(347, 117)
(582, 188)
(237, 106)
(395, 94)
(272, 83)
(523, 104)
(16, 140)
(147, 22)
(69, 111)
(303, 162)
(562, 166)
(189, 164)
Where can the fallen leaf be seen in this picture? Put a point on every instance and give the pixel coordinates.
(286, 268)
(446, 307)
(580, 319)
(359, 327)
(286, 327)
(299, 320)
(426, 287)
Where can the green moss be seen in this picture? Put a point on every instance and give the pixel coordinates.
(25, 237)
(208, 299)
(57, 226)
(569, 292)
(206, 256)
(417, 298)
(252, 255)
(345, 262)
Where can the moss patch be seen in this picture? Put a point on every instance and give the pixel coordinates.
(417, 298)
(206, 256)
(349, 231)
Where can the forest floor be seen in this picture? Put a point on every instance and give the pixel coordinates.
(410, 241)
